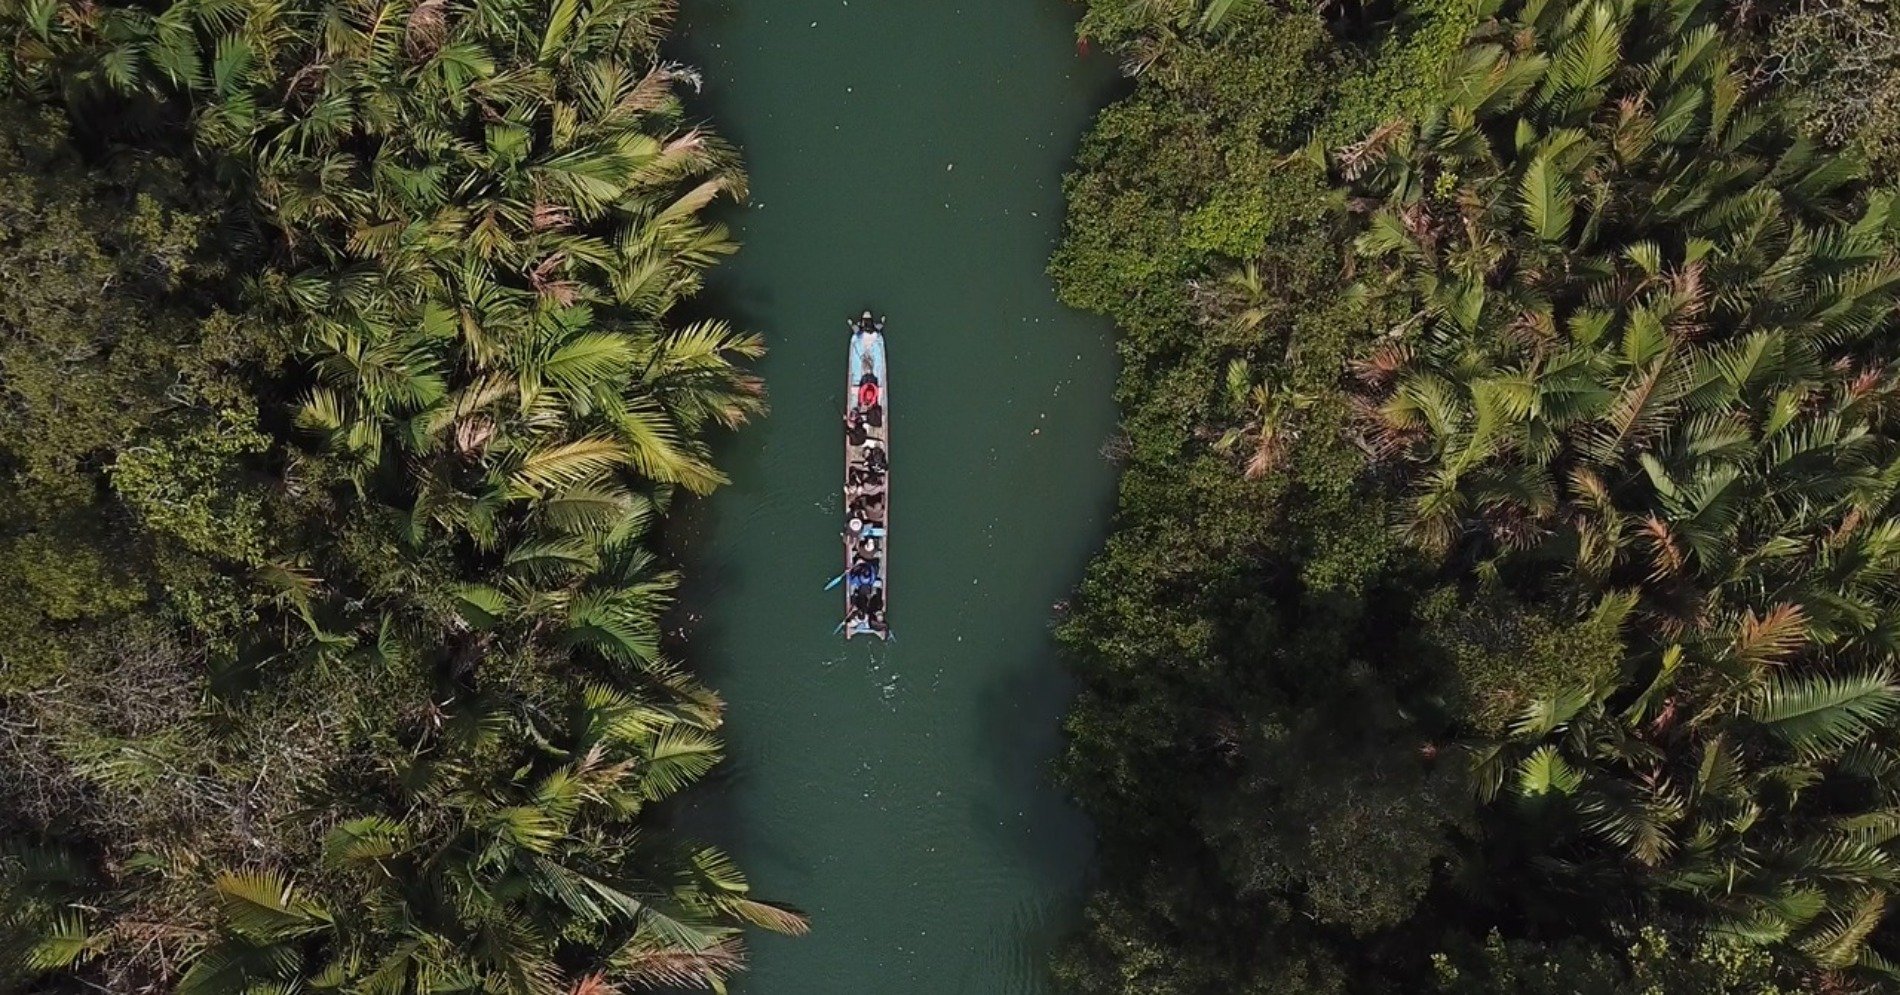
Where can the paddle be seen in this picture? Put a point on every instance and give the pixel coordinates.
(835, 581)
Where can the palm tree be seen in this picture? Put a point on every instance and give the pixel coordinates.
(520, 881)
(479, 207)
(1263, 433)
(1642, 360)
(477, 217)
(48, 911)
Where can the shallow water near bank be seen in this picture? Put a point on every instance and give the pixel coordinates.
(906, 156)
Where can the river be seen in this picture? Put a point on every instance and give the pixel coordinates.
(904, 155)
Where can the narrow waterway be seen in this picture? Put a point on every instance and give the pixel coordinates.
(907, 156)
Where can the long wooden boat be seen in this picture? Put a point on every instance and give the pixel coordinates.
(867, 437)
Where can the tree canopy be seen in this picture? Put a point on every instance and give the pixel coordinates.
(353, 326)
(1500, 595)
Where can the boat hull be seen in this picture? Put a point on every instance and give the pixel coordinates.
(867, 483)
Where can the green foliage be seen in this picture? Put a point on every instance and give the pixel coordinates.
(1128, 950)
(1337, 803)
(1196, 172)
(1125, 21)
(46, 924)
(361, 686)
(105, 287)
(1650, 962)
(1542, 440)
(1223, 734)
(1395, 76)
(181, 486)
(1507, 655)
(1643, 364)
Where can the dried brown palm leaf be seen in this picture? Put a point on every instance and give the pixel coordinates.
(1354, 160)
(1771, 639)
(1666, 556)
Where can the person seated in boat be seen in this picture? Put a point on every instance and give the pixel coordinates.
(861, 528)
(854, 621)
(854, 431)
(875, 458)
(868, 509)
(867, 600)
(865, 502)
(867, 391)
(874, 416)
(863, 573)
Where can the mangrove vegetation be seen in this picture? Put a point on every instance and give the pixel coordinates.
(343, 392)
(1503, 597)
(1504, 594)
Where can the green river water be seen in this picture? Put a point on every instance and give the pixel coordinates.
(904, 155)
